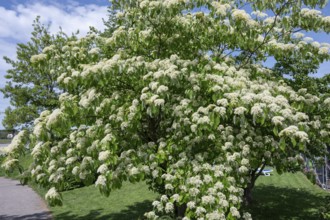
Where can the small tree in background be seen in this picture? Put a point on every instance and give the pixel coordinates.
(32, 88)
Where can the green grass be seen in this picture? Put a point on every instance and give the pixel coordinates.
(130, 202)
(286, 196)
(277, 197)
(5, 141)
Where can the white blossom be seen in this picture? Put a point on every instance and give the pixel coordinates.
(240, 15)
(289, 131)
(162, 89)
(169, 207)
(208, 200)
(101, 181)
(234, 212)
(52, 194)
(277, 120)
(240, 111)
(102, 169)
(38, 58)
(159, 102)
(104, 155)
(200, 211)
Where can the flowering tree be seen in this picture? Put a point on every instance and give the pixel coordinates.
(179, 97)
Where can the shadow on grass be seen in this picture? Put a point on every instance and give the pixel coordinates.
(131, 212)
(285, 203)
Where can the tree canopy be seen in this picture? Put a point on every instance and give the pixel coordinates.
(179, 96)
(32, 88)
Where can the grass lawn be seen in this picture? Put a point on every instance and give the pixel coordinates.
(286, 196)
(5, 141)
(279, 197)
(130, 202)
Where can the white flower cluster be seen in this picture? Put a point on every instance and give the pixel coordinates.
(220, 9)
(104, 155)
(52, 196)
(259, 14)
(38, 58)
(53, 118)
(88, 97)
(240, 15)
(310, 13)
(94, 51)
(101, 181)
(326, 20)
(17, 143)
(48, 49)
(9, 164)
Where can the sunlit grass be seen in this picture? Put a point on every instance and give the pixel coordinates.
(130, 202)
(286, 196)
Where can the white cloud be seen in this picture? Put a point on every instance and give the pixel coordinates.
(16, 23)
(16, 26)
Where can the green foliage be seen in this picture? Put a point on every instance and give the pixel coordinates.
(287, 196)
(32, 88)
(110, 23)
(325, 209)
(311, 175)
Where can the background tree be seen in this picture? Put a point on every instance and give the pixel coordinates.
(32, 88)
(181, 100)
(110, 23)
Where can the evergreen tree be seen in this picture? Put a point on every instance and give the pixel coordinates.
(32, 88)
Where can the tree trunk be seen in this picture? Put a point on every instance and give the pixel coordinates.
(180, 210)
(248, 193)
(247, 197)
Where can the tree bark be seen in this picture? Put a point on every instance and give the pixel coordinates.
(248, 193)
(247, 197)
(180, 210)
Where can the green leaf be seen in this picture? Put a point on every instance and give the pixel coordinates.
(302, 146)
(216, 121)
(263, 118)
(282, 144)
(214, 97)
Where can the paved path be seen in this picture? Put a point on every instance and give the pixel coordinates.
(19, 202)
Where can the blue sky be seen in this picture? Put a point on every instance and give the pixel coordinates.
(17, 16)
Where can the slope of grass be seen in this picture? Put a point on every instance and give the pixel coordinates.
(130, 202)
(286, 196)
(279, 197)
